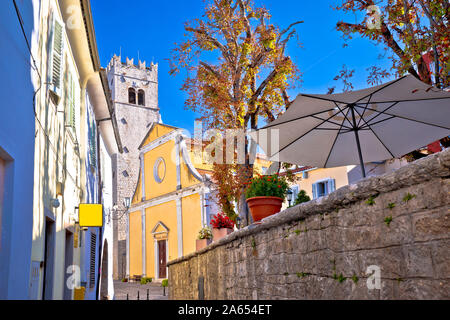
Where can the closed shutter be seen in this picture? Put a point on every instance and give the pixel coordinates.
(71, 102)
(56, 55)
(331, 186)
(295, 191)
(208, 209)
(93, 145)
(92, 261)
(314, 190)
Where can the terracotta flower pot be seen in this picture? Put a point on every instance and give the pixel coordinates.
(202, 243)
(262, 207)
(220, 233)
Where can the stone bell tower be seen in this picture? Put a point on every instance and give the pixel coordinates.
(134, 90)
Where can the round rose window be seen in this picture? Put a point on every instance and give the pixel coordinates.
(159, 170)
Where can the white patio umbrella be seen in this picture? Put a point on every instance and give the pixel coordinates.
(374, 124)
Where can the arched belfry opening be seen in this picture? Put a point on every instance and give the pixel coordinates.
(131, 96)
(141, 97)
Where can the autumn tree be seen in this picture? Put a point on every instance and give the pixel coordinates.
(238, 72)
(414, 32)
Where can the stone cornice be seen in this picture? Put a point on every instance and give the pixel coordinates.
(167, 197)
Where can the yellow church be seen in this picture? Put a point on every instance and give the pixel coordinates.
(168, 206)
(172, 202)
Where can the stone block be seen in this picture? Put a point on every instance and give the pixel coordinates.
(418, 261)
(424, 289)
(431, 225)
(441, 259)
(391, 261)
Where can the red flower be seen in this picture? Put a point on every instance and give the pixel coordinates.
(222, 221)
(279, 186)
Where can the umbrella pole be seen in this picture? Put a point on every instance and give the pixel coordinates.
(358, 144)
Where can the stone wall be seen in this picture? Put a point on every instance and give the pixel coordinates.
(399, 222)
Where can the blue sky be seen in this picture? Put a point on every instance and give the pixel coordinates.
(151, 28)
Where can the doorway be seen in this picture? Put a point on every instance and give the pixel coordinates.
(68, 266)
(104, 273)
(162, 259)
(49, 260)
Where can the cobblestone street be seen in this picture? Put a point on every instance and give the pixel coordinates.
(155, 291)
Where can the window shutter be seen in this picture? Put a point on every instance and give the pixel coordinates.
(314, 190)
(93, 146)
(57, 55)
(92, 261)
(294, 193)
(208, 209)
(71, 102)
(331, 186)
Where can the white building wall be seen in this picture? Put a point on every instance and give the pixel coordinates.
(17, 85)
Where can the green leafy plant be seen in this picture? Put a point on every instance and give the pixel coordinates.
(301, 198)
(165, 283)
(355, 279)
(408, 197)
(341, 278)
(302, 274)
(253, 243)
(388, 220)
(370, 201)
(391, 206)
(124, 280)
(267, 186)
(205, 233)
(297, 232)
(145, 280)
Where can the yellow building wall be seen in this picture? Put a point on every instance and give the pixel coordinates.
(192, 221)
(187, 179)
(135, 243)
(167, 214)
(138, 194)
(152, 188)
(339, 174)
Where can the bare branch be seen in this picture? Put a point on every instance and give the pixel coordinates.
(224, 49)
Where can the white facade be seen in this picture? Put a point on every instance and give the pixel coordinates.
(18, 82)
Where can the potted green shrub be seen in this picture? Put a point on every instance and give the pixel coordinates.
(265, 195)
(204, 238)
(222, 226)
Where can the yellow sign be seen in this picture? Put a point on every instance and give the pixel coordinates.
(90, 215)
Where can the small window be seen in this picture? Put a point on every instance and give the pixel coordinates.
(141, 97)
(322, 188)
(125, 149)
(123, 120)
(125, 174)
(131, 96)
